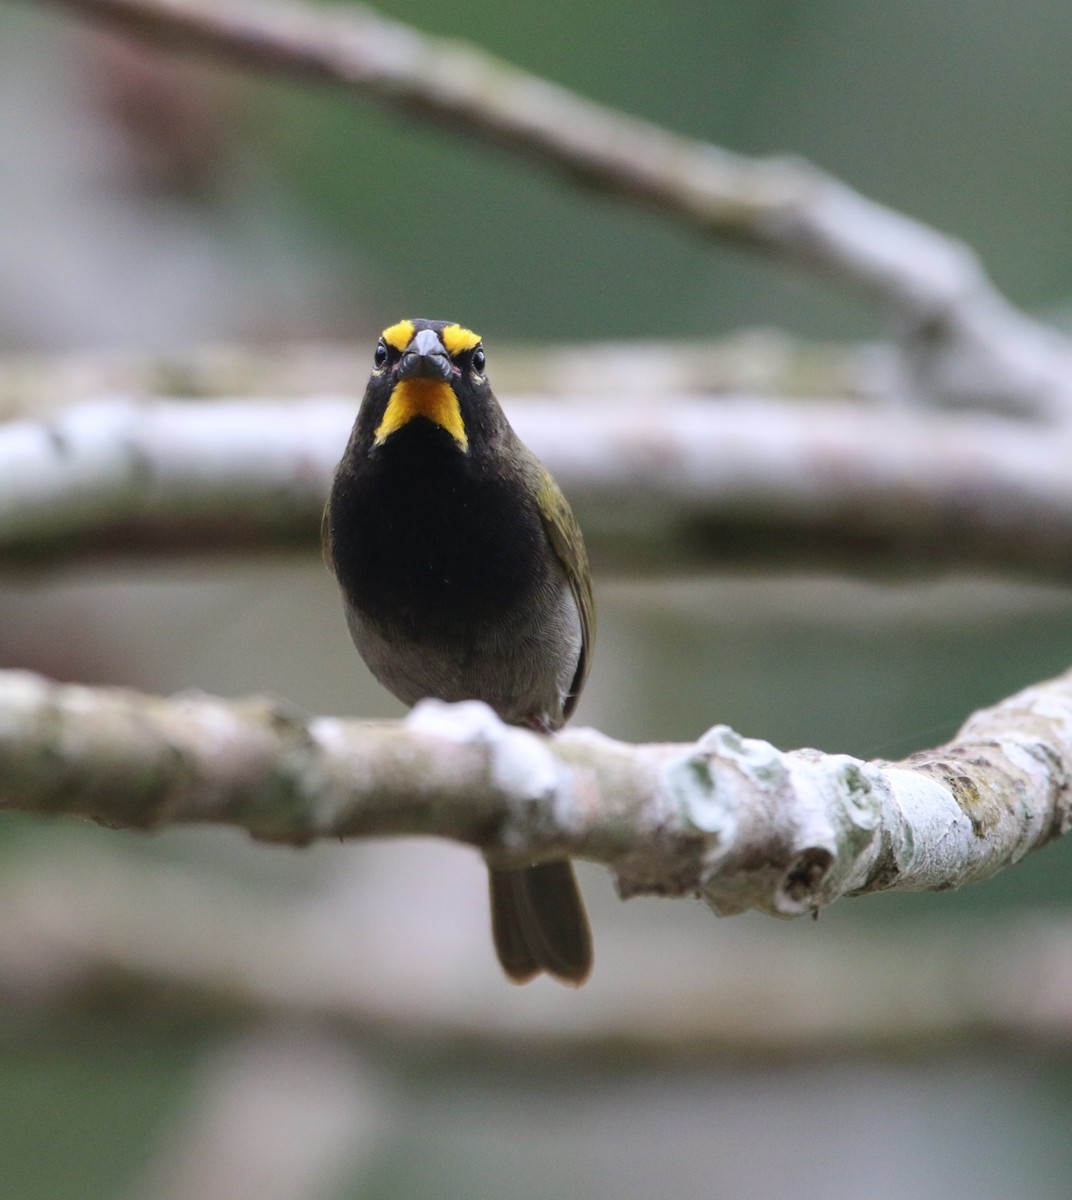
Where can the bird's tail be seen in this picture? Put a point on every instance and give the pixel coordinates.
(539, 923)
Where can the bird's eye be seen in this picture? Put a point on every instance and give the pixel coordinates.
(478, 361)
(380, 357)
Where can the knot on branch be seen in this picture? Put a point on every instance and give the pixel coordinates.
(780, 832)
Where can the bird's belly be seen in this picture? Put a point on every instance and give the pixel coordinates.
(523, 669)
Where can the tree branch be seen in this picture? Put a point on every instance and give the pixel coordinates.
(731, 819)
(656, 481)
(966, 345)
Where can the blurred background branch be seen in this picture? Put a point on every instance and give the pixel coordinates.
(963, 343)
(764, 361)
(658, 481)
(91, 929)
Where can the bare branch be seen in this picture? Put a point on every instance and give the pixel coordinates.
(731, 819)
(655, 480)
(967, 345)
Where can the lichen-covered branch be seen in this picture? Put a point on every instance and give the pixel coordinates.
(967, 344)
(731, 819)
(656, 480)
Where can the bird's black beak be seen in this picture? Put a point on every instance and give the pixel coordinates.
(425, 358)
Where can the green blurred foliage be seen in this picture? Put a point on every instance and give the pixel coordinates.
(82, 1102)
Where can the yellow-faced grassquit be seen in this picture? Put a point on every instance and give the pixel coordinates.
(464, 576)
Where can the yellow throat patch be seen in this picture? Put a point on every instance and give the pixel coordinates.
(431, 398)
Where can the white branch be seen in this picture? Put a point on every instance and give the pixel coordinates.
(731, 819)
(653, 479)
(967, 344)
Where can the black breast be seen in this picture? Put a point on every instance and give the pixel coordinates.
(433, 541)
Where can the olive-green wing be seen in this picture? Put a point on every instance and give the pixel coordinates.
(565, 536)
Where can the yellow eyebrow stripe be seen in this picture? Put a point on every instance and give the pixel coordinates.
(431, 398)
(457, 339)
(399, 336)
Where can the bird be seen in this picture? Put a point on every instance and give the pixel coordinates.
(464, 575)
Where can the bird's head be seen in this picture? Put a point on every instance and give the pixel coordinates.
(428, 370)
